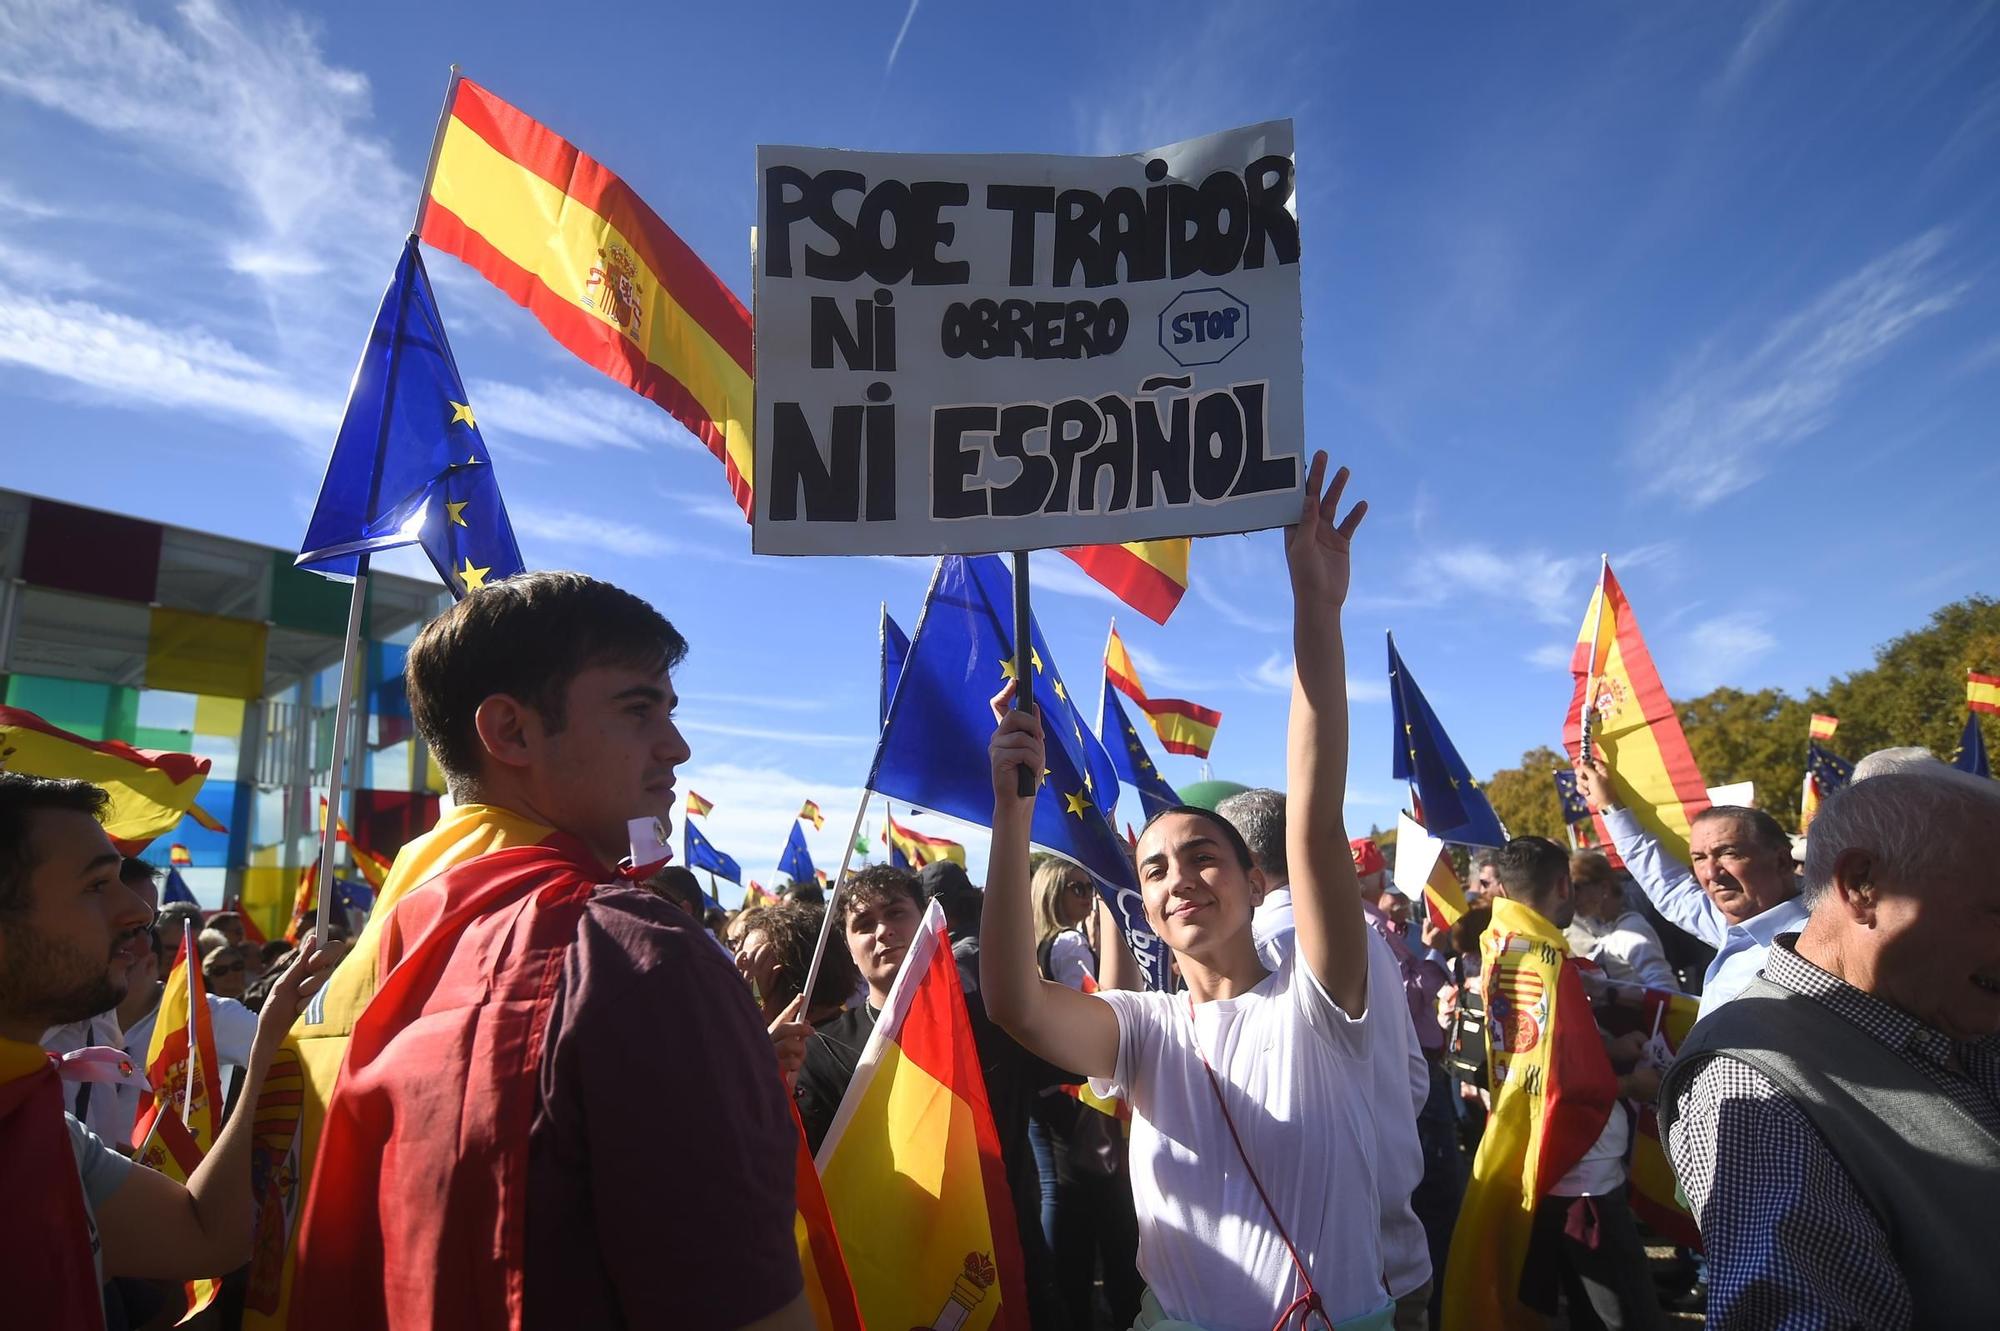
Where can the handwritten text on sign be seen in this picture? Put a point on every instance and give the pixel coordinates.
(958, 354)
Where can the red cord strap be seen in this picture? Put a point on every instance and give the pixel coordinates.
(1307, 1305)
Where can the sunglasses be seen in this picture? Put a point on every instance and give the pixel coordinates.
(236, 969)
(1081, 888)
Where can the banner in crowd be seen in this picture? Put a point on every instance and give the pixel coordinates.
(973, 353)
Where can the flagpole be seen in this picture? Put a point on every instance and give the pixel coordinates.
(1024, 649)
(350, 651)
(1590, 675)
(192, 959)
(833, 900)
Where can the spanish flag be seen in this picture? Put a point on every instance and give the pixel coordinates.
(1423, 868)
(150, 791)
(697, 807)
(1183, 726)
(1822, 726)
(366, 862)
(45, 1248)
(916, 850)
(1982, 693)
(565, 237)
(178, 1117)
(1632, 722)
(809, 813)
(179, 857)
(912, 1168)
(1553, 1091)
(292, 1109)
(1149, 576)
(1655, 1194)
(829, 1289)
(755, 894)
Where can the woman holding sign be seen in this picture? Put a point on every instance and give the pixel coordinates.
(1250, 1138)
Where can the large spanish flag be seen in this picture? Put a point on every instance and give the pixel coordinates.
(179, 1115)
(1632, 722)
(1183, 726)
(1553, 1091)
(292, 1109)
(1982, 693)
(150, 791)
(1149, 576)
(554, 229)
(912, 1165)
(829, 1290)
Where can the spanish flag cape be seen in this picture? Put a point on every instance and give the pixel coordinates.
(402, 1228)
(302, 1076)
(46, 1264)
(1553, 1091)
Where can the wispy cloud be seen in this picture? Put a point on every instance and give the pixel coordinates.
(1721, 649)
(1274, 675)
(1725, 416)
(135, 363)
(588, 531)
(1552, 655)
(896, 47)
(1547, 585)
(586, 418)
(1760, 35)
(1160, 674)
(35, 270)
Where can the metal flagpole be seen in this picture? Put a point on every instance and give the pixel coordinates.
(1024, 655)
(1590, 677)
(351, 647)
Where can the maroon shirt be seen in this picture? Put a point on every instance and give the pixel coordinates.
(661, 1163)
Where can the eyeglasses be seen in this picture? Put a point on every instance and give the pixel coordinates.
(1080, 887)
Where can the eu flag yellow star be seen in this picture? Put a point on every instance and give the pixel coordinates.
(461, 411)
(473, 577)
(1075, 803)
(1061, 695)
(456, 511)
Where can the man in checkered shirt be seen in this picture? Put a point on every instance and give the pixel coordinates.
(1836, 1128)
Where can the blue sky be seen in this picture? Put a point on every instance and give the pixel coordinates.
(1707, 287)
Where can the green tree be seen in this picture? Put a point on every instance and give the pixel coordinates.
(1525, 797)
(1760, 737)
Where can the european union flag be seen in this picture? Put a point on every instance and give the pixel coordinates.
(351, 901)
(1575, 808)
(699, 854)
(794, 862)
(1972, 749)
(895, 650)
(933, 747)
(176, 890)
(1455, 808)
(408, 465)
(1128, 755)
(1829, 770)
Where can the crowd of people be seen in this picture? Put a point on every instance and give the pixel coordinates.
(537, 1091)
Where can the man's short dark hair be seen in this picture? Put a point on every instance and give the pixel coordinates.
(947, 883)
(877, 885)
(1230, 836)
(678, 884)
(806, 894)
(1530, 867)
(1765, 830)
(22, 797)
(529, 637)
(1260, 816)
(135, 871)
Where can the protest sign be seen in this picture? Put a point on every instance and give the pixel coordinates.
(965, 354)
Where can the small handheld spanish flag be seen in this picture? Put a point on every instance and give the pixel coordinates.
(1822, 726)
(697, 806)
(1982, 693)
(809, 813)
(178, 856)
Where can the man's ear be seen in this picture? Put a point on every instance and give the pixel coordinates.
(1259, 885)
(1854, 885)
(506, 728)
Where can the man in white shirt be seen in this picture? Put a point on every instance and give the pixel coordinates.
(1743, 891)
(1399, 1073)
(1618, 939)
(107, 1109)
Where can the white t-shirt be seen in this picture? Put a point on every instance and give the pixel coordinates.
(1603, 1167)
(1070, 958)
(1295, 1071)
(1399, 1076)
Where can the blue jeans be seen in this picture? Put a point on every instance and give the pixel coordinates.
(1045, 1166)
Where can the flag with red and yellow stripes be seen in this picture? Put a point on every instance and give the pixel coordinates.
(912, 1167)
(911, 849)
(1183, 726)
(1822, 726)
(562, 235)
(179, 1116)
(1632, 722)
(809, 813)
(697, 807)
(1982, 692)
(1149, 576)
(150, 791)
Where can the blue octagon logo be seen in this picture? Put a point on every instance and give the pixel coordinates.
(1202, 326)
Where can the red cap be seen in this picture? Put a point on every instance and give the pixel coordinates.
(1367, 856)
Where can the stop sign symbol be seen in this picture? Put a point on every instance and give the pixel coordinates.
(1202, 326)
